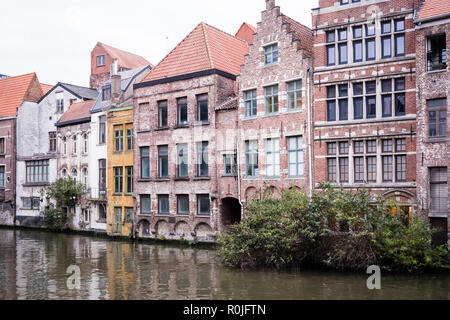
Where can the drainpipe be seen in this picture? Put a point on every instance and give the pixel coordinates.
(309, 132)
(239, 169)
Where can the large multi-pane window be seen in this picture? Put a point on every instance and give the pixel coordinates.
(102, 176)
(229, 163)
(371, 48)
(102, 130)
(52, 143)
(394, 160)
(399, 37)
(145, 162)
(183, 204)
(340, 99)
(146, 204)
(183, 161)
(2, 177)
(202, 108)
(271, 99)
(338, 158)
(37, 171)
(272, 158)
(250, 104)
(294, 95)
(271, 54)
(295, 156)
(182, 107)
(163, 204)
(118, 139)
(251, 158)
(342, 46)
(437, 118)
(436, 52)
(203, 205)
(31, 203)
(162, 114)
(129, 172)
(202, 159)
(130, 139)
(118, 179)
(439, 190)
(357, 44)
(74, 144)
(163, 161)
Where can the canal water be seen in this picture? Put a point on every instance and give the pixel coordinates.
(34, 265)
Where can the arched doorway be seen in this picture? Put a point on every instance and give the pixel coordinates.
(231, 211)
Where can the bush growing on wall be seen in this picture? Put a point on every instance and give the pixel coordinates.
(334, 228)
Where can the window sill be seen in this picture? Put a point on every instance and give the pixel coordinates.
(271, 64)
(203, 216)
(437, 140)
(149, 214)
(202, 178)
(101, 221)
(181, 126)
(144, 180)
(162, 180)
(40, 184)
(182, 179)
(117, 194)
(183, 215)
(162, 129)
(201, 123)
(437, 71)
(229, 175)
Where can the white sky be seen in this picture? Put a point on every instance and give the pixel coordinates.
(54, 38)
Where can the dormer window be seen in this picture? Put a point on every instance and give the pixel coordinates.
(271, 54)
(106, 93)
(101, 60)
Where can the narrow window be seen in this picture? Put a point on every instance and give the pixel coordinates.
(400, 107)
(437, 118)
(343, 170)
(294, 95)
(130, 139)
(202, 159)
(203, 205)
(163, 161)
(2, 177)
(332, 170)
(436, 52)
(163, 204)
(183, 160)
(370, 42)
(271, 94)
(162, 114)
(371, 169)
(102, 130)
(102, 177)
(118, 179)
(182, 111)
(251, 158)
(118, 139)
(202, 108)
(399, 37)
(295, 157)
(52, 143)
(129, 171)
(145, 162)
(106, 93)
(74, 144)
(229, 162)
(250, 103)
(387, 168)
(271, 54)
(331, 104)
(146, 204)
(439, 190)
(101, 60)
(273, 158)
(359, 169)
(183, 204)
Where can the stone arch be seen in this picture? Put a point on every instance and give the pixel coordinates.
(231, 211)
(203, 230)
(162, 229)
(406, 201)
(250, 194)
(183, 230)
(144, 228)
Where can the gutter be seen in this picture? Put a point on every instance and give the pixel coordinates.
(444, 16)
(238, 158)
(309, 131)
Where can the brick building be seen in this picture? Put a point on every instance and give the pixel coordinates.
(365, 97)
(103, 56)
(433, 107)
(274, 111)
(14, 91)
(182, 110)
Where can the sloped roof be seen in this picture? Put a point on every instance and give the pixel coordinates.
(127, 78)
(125, 59)
(205, 48)
(12, 92)
(301, 33)
(78, 91)
(46, 88)
(433, 9)
(231, 103)
(77, 113)
(246, 32)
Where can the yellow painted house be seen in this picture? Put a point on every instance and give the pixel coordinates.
(120, 210)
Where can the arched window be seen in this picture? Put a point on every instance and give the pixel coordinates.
(85, 178)
(74, 174)
(85, 143)
(74, 145)
(64, 173)
(64, 146)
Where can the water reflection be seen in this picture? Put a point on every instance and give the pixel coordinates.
(33, 265)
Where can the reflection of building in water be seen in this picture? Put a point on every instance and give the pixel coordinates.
(120, 270)
(7, 270)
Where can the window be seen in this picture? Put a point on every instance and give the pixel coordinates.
(295, 157)
(74, 144)
(331, 148)
(400, 168)
(229, 162)
(331, 47)
(163, 204)
(251, 158)
(271, 99)
(332, 170)
(85, 143)
(74, 174)
(250, 104)
(438, 190)
(342, 102)
(182, 111)
(146, 204)
(294, 95)
(129, 214)
(100, 61)
(102, 176)
(118, 139)
(163, 161)
(343, 148)
(357, 44)
(372, 146)
(64, 173)
(370, 42)
(86, 215)
(331, 104)
(343, 169)
(129, 171)
(371, 169)
(359, 169)
(145, 162)
(436, 52)
(271, 54)
(84, 177)
(336, 159)
(183, 204)
(130, 139)
(51, 138)
(101, 212)
(399, 37)
(31, 203)
(358, 147)
(183, 160)
(202, 108)
(358, 101)
(371, 99)
(162, 114)
(59, 102)
(2, 177)
(203, 205)
(202, 159)
(437, 118)
(106, 93)
(102, 130)
(272, 158)
(118, 179)
(345, 2)
(391, 149)
(399, 86)
(37, 171)
(343, 50)
(386, 98)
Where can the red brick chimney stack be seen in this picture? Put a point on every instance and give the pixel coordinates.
(115, 80)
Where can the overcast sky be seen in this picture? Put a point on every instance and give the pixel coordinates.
(54, 38)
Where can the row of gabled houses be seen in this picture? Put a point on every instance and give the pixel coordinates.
(176, 150)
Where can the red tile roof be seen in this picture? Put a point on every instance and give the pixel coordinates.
(433, 9)
(77, 111)
(301, 33)
(12, 93)
(205, 48)
(246, 32)
(126, 59)
(46, 88)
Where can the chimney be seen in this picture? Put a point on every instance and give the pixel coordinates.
(116, 80)
(270, 4)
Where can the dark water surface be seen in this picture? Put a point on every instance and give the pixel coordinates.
(33, 265)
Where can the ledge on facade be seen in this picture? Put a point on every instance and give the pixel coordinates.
(201, 123)
(162, 180)
(202, 178)
(162, 129)
(437, 140)
(101, 221)
(182, 179)
(40, 184)
(2, 155)
(431, 72)
(229, 176)
(144, 180)
(181, 126)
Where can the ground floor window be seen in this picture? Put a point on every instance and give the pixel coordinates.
(183, 204)
(31, 203)
(2, 176)
(438, 190)
(203, 205)
(101, 213)
(86, 215)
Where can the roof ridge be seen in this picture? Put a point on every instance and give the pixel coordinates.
(224, 32)
(19, 76)
(75, 85)
(208, 49)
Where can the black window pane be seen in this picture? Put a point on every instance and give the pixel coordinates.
(386, 85)
(331, 36)
(400, 104)
(358, 108)
(399, 84)
(331, 92)
(358, 89)
(343, 90)
(370, 49)
(371, 87)
(343, 109)
(400, 45)
(387, 105)
(371, 105)
(183, 204)
(343, 53)
(331, 55)
(357, 51)
(331, 110)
